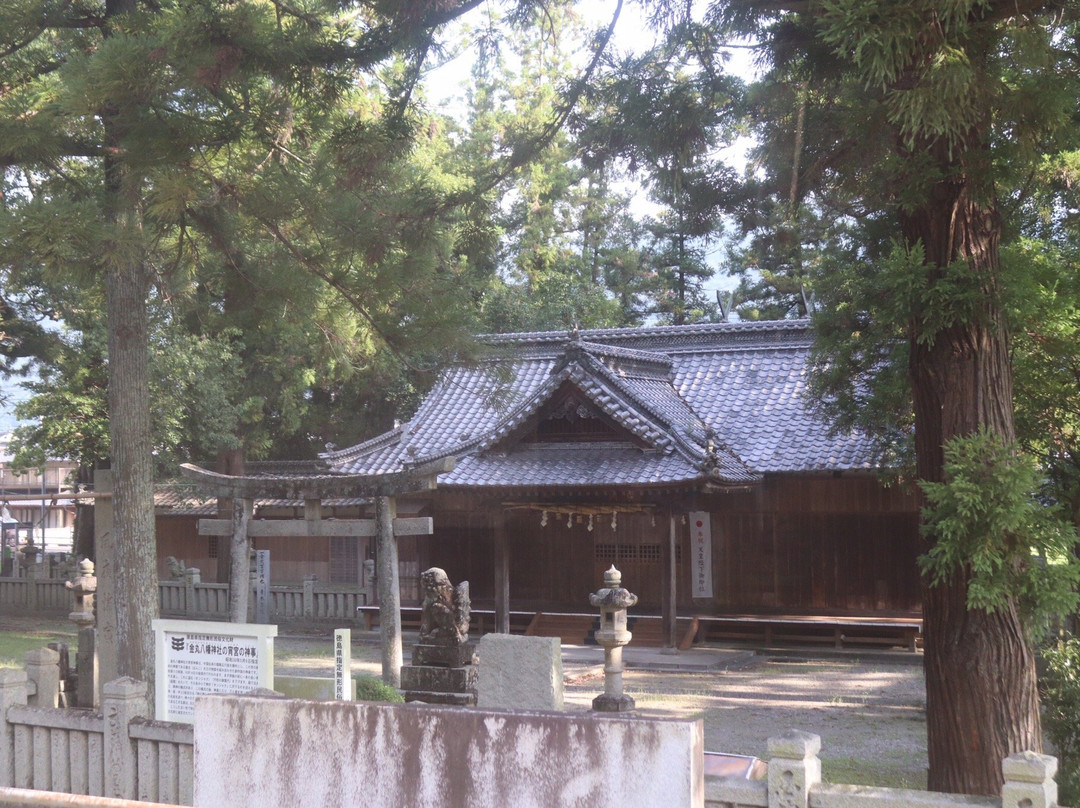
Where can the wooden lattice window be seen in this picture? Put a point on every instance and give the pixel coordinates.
(211, 546)
(605, 553)
(649, 553)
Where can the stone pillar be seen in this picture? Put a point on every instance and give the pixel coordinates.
(1029, 781)
(192, 576)
(123, 700)
(389, 590)
(43, 669)
(32, 570)
(12, 692)
(309, 596)
(86, 666)
(794, 768)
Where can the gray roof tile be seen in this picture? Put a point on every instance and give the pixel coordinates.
(719, 401)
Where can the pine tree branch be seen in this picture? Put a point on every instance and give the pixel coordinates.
(523, 152)
(316, 269)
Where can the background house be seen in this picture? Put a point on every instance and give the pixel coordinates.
(50, 521)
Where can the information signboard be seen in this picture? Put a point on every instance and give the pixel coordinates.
(343, 664)
(193, 658)
(701, 554)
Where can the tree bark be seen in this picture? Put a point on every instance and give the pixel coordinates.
(981, 701)
(129, 554)
(131, 549)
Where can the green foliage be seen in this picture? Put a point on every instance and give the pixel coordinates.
(371, 688)
(1044, 306)
(986, 524)
(1060, 690)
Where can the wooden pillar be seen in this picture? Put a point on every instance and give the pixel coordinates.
(240, 556)
(389, 590)
(667, 607)
(502, 575)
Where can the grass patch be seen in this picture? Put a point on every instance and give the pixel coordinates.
(861, 772)
(14, 643)
(371, 688)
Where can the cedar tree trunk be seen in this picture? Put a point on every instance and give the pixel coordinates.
(981, 698)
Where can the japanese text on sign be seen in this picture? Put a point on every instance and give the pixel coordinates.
(701, 554)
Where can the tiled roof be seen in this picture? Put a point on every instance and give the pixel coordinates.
(722, 402)
(179, 499)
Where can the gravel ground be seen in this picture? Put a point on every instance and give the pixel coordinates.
(870, 714)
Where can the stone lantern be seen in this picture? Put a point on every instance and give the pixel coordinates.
(28, 554)
(613, 601)
(83, 689)
(83, 589)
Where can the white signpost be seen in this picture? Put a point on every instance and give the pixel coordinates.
(342, 664)
(262, 586)
(701, 551)
(193, 658)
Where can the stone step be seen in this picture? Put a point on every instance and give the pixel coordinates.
(438, 679)
(432, 697)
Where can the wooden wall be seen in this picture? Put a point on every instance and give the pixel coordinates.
(816, 544)
(290, 558)
(810, 544)
(822, 544)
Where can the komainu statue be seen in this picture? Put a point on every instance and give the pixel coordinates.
(445, 616)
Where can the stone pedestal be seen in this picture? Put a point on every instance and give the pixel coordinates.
(441, 674)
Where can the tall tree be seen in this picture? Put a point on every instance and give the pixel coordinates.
(947, 105)
(664, 115)
(114, 116)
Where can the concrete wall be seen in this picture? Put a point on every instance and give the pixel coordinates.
(368, 755)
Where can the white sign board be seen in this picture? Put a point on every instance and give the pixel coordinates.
(342, 664)
(701, 554)
(193, 658)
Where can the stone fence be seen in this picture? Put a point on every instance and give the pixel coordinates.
(794, 781)
(121, 753)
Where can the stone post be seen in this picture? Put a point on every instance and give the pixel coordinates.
(309, 596)
(43, 669)
(12, 692)
(192, 576)
(123, 700)
(794, 768)
(86, 668)
(31, 577)
(613, 601)
(1029, 781)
